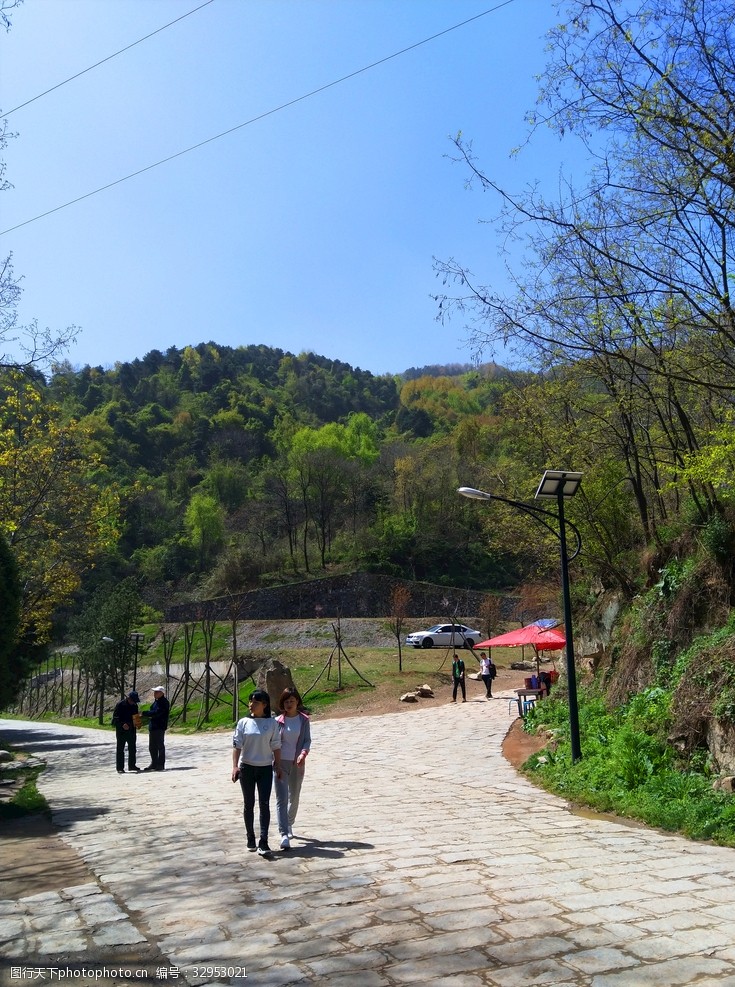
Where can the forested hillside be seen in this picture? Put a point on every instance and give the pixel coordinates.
(210, 470)
(238, 467)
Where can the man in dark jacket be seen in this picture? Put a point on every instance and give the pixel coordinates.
(458, 674)
(124, 724)
(157, 717)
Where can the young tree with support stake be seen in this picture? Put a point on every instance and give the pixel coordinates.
(400, 602)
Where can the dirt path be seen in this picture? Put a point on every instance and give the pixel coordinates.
(34, 859)
(519, 745)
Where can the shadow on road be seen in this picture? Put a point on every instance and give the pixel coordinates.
(326, 848)
(32, 739)
(63, 818)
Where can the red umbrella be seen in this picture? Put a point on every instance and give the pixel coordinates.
(539, 638)
(543, 640)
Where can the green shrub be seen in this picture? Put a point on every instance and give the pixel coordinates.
(627, 766)
(27, 800)
(673, 576)
(716, 536)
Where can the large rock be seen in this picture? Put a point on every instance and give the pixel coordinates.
(721, 743)
(724, 784)
(269, 674)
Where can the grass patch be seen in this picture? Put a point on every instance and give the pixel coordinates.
(331, 685)
(27, 800)
(627, 767)
(339, 683)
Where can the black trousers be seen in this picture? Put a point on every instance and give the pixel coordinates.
(459, 682)
(261, 777)
(157, 748)
(125, 737)
(487, 679)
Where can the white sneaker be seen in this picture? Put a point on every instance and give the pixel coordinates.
(290, 834)
(285, 845)
(264, 851)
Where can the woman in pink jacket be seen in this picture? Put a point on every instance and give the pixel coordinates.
(295, 745)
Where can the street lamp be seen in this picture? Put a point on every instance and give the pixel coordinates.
(137, 638)
(555, 485)
(105, 640)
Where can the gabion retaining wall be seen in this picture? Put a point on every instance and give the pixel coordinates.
(358, 595)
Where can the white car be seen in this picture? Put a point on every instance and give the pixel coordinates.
(445, 636)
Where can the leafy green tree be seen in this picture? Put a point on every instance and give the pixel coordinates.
(277, 492)
(204, 521)
(103, 632)
(320, 465)
(625, 292)
(229, 482)
(389, 545)
(56, 512)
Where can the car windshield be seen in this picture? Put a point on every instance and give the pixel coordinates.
(434, 630)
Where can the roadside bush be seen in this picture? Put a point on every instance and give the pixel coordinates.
(628, 768)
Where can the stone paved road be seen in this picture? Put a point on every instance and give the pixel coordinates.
(424, 858)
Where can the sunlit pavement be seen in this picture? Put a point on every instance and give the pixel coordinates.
(421, 857)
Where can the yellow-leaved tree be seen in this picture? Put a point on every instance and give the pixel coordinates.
(57, 513)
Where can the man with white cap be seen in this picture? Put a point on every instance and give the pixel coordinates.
(157, 717)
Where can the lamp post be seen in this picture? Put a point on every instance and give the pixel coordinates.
(555, 485)
(137, 638)
(105, 640)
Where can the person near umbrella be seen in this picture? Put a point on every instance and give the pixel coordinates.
(458, 677)
(487, 673)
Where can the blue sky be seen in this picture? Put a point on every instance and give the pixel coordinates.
(313, 228)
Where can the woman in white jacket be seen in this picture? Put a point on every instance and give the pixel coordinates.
(256, 755)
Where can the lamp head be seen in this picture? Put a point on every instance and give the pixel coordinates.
(474, 494)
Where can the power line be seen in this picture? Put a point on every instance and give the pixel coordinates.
(103, 60)
(261, 116)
